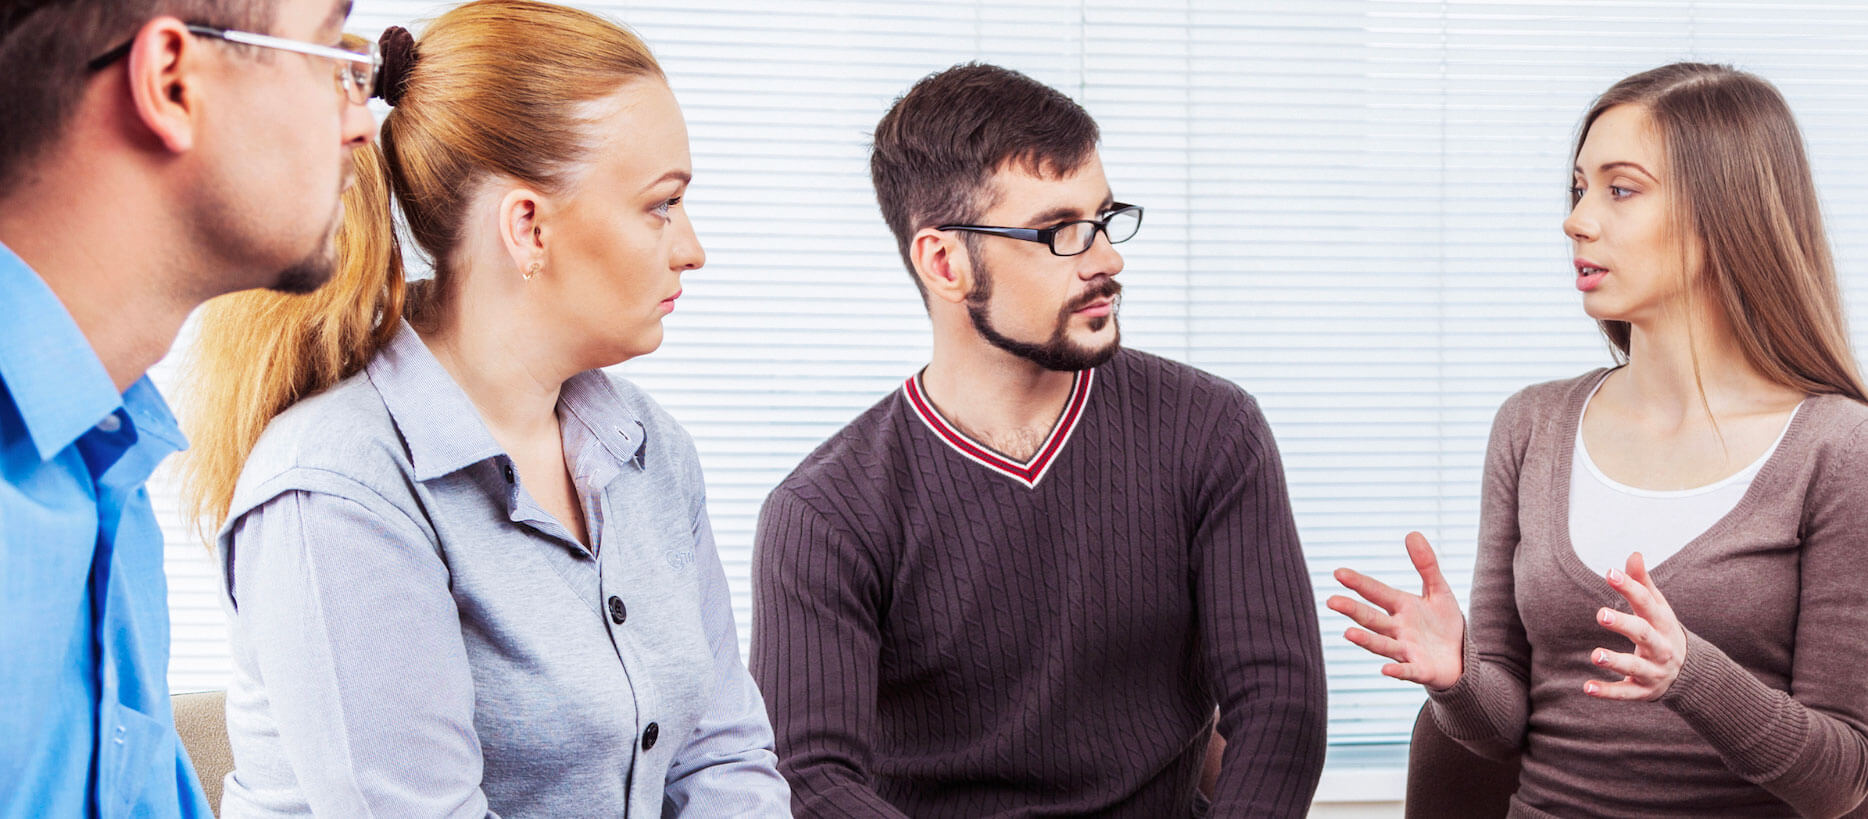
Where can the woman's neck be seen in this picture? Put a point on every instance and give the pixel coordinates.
(1682, 365)
(508, 376)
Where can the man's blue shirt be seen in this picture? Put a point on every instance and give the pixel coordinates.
(85, 725)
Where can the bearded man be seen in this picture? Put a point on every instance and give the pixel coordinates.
(1024, 583)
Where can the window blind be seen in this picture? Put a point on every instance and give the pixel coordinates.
(1353, 211)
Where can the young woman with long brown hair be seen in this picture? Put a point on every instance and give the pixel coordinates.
(1672, 587)
(466, 570)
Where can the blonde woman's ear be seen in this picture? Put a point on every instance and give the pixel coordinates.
(521, 231)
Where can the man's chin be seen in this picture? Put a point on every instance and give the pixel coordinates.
(312, 271)
(1093, 357)
(304, 277)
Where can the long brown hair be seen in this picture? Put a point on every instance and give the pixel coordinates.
(495, 87)
(1744, 192)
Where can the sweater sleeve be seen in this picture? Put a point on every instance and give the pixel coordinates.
(1809, 746)
(815, 649)
(1487, 709)
(1258, 624)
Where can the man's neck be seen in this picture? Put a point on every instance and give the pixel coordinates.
(113, 261)
(997, 398)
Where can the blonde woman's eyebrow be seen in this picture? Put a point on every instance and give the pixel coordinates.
(681, 175)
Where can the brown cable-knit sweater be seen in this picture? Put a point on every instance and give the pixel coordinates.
(1769, 716)
(941, 633)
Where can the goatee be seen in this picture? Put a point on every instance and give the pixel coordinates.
(1057, 353)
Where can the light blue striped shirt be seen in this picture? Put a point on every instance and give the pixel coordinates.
(414, 636)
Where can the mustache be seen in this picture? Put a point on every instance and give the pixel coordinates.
(1102, 288)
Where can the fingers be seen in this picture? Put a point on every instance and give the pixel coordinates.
(1372, 590)
(1627, 690)
(1410, 672)
(1630, 666)
(1365, 615)
(1632, 626)
(1637, 595)
(1649, 642)
(1418, 550)
(1639, 589)
(1637, 569)
(1377, 644)
(1641, 678)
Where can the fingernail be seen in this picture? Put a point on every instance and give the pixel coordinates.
(1591, 688)
(1608, 617)
(1601, 657)
(1615, 576)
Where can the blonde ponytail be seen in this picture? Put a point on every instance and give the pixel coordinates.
(260, 352)
(494, 87)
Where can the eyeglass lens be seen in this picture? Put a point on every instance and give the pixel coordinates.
(357, 80)
(1077, 237)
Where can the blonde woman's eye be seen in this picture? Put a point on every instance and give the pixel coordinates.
(666, 205)
(1619, 192)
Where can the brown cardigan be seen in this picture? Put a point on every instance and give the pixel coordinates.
(1769, 716)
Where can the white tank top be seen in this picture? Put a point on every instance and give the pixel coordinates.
(1609, 520)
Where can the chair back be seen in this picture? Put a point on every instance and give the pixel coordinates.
(201, 720)
(1445, 779)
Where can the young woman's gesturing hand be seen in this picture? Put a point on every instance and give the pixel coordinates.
(1423, 634)
(1659, 639)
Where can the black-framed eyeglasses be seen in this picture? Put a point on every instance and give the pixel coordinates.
(356, 70)
(1119, 223)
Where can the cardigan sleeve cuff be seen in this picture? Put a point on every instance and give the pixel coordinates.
(1460, 709)
(1755, 728)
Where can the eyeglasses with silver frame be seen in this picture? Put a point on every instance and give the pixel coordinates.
(356, 71)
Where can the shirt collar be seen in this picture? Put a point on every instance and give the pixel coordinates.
(444, 431)
(437, 420)
(590, 398)
(53, 374)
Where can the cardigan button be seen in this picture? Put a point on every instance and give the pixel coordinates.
(618, 612)
(650, 735)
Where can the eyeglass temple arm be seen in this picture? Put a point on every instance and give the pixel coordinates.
(1027, 234)
(282, 44)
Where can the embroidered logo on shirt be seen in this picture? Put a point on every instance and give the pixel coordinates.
(679, 559)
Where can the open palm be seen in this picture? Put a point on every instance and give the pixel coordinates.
(1423, 634)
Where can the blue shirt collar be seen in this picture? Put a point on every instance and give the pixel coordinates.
(54, 375)
(444, 431)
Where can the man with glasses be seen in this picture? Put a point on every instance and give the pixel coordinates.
(1024, 583)
(153, 154)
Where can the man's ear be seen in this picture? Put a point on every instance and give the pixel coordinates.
(521, 230)
(165, 66)
(942, 265)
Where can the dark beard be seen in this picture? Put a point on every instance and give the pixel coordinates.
(1057, 353)
(307, 274)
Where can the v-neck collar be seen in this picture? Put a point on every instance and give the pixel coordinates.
(1762, 488)
(1029, 472)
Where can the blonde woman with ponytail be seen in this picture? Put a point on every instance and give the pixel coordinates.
(468, 573)
(1671, 594)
